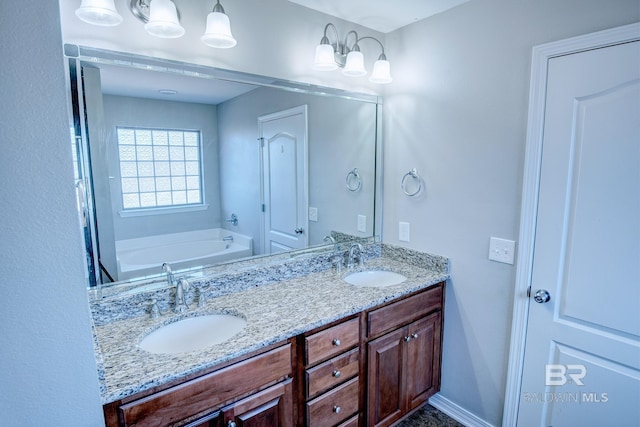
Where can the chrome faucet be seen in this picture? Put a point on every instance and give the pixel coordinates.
(332, 240)
(352, 257)
(170, 277)
(181, 305)
(181, 285)
(227, 239)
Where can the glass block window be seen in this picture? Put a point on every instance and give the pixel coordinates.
(159, 167)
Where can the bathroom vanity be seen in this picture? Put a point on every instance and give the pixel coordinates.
(315, 351)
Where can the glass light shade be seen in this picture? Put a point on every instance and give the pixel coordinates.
(324, 60)
(218, 32)
(381, 73)
(163, 20)
(355, 65)
(99, 12)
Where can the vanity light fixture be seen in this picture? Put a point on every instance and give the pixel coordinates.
(329, 56)
(218, 32)
(161, 18)
(99, 12)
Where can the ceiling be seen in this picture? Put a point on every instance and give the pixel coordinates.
(141, 83)
(381, 15)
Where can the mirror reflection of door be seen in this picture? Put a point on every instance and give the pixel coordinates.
(283, 137)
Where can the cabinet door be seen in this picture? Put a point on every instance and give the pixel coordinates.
(422, 360)
(272, 407)
(385, 377)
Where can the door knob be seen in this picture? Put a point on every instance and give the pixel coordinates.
(541, 296)
(298, 230)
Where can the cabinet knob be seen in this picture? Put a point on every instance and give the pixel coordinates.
(337, 409)
(336, 342)
(336, 373)
(231, 423)
(407, 339)
(414, 336)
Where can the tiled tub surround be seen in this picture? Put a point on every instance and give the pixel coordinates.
(278, 301)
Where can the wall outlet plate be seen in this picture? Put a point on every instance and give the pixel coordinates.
(313, 214)
(404, 231)
(362, 223)
(502, 250)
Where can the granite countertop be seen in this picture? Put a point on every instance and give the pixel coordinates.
(274, 312)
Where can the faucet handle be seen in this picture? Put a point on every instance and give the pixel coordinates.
(201, 298)
(154, 310)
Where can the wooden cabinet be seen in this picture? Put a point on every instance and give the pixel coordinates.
(331, 375)
(272, 407)
(198, 402)
(403, 365)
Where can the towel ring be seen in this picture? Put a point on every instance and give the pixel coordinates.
(352, 176)
(413, 173)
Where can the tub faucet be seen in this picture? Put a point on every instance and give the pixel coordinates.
(351, 257)
(227, 239)
(170, 277)
(181, 305)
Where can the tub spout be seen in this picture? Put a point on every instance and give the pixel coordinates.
(170, 277)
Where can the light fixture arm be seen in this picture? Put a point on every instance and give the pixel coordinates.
(382, 55)
(218, 7)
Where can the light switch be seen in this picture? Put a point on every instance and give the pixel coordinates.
(404, 231)
(362, 223)
(502, 250)
(313, 214)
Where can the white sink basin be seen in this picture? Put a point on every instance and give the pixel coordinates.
(193, 333)
(374, 278)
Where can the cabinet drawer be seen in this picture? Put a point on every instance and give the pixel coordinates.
(332, 341)
(351, 422)
(209, 391)
(332, 372)
(402, 312)
(334, 407)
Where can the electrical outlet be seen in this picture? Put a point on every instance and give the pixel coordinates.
(502, 250)
(404, 231)
(362, 223)
(313, 214)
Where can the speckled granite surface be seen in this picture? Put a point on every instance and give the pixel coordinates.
(277, 304)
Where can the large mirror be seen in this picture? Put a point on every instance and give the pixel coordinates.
(194, 166)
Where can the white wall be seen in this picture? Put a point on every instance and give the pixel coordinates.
(457, 112)
(47, 368)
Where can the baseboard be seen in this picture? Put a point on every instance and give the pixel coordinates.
(457, 412)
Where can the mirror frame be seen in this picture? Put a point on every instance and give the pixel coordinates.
(75, 55)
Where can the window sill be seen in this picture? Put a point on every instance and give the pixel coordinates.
(161, 211)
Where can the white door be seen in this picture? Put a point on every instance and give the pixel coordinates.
(283, 138)
(582, 357)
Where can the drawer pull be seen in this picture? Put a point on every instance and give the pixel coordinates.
(336, 342)
(336, 374)
(337, 409)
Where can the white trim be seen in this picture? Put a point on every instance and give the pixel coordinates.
(457, 412)
(528, 211)
(162, 210)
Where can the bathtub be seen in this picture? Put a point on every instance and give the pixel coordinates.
(144, 256)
